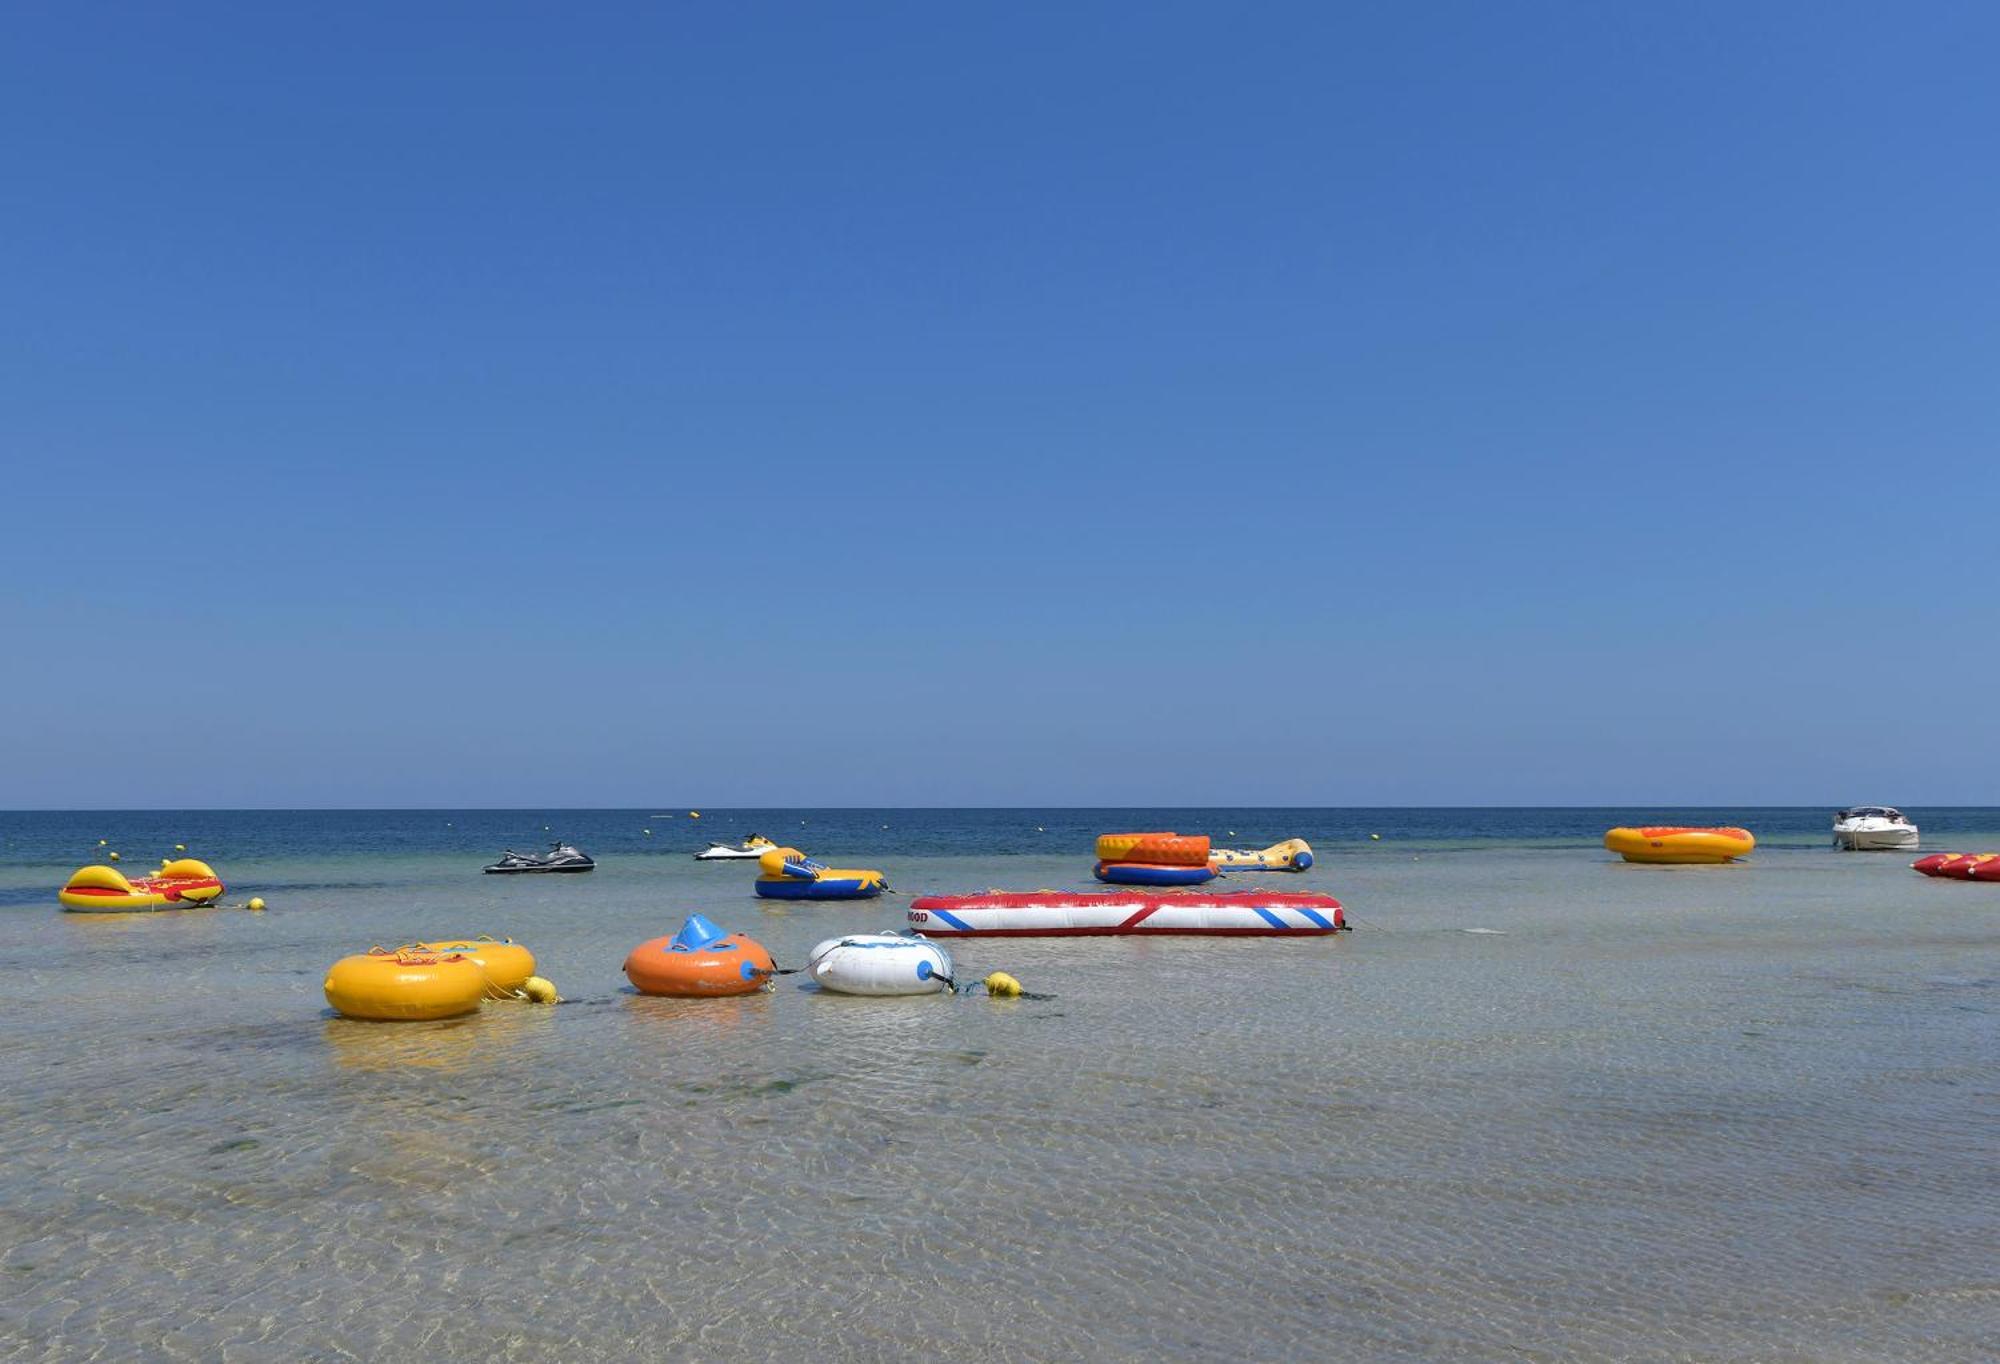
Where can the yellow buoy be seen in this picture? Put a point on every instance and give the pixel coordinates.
(1002, 986)
(180, 847)
(696, 814)
(103, 842)
(256, 903)
(539, 990)
(1376, 837)
(114, 857)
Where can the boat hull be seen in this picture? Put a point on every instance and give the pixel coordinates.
(1042, 914)
(1905, 839)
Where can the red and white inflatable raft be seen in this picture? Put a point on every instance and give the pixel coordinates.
(1057, 913)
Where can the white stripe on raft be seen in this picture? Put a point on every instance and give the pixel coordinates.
(1058, 913)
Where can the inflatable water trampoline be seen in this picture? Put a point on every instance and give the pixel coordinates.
(1053, 913)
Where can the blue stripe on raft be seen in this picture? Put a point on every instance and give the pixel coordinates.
(844, 889)
(1315, 916)
(947, 916)
(1124, 874)
(1270, 918)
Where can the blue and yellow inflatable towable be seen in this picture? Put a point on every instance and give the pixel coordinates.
(788, 874)
(180, 884)
(1294, 854)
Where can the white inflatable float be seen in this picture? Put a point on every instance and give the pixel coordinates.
(880, 964)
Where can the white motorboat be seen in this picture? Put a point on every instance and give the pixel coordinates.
(1874, 828)
(754, 846)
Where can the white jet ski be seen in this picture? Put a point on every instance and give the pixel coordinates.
(754, 846)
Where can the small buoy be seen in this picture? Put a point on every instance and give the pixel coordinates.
(1376, 837)
(180, 847)
(538, 990)
(545, 828)
(256, 903)
(102, 841)
(1002, 986)
(1040, 830)
(696, 814)
(114, 857)
(647, 832)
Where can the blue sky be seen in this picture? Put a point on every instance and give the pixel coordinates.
(939, 404)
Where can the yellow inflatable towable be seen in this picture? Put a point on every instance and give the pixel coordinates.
(404, 985)
(1294, 854)
(506, 963)
(1678, 845)
(178, 884)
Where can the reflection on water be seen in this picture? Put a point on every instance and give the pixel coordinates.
(1649, 1114)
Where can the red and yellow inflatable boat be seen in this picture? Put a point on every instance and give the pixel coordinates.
(1679, 845)
(180, 884)
(1960, 866)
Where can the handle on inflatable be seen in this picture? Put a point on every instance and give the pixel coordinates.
(696, 934)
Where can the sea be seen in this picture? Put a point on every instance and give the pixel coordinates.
(1539, 1105)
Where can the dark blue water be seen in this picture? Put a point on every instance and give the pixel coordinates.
(65, 838)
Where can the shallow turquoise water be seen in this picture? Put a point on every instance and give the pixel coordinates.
(1648, 1113)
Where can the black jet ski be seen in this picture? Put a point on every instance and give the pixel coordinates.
(560, 857)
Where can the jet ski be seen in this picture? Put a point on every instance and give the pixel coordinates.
(754, 846)
(559, 857)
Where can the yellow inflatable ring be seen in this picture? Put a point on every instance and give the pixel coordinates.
(404, 986)
(506, 963)
(1674, 844)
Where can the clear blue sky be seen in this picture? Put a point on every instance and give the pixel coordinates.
(951, 404)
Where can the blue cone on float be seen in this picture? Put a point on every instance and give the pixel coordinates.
(696, 934)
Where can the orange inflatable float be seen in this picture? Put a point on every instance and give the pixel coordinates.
(1159, 850)
(699, 962)
(1165, 859)
(1960, 866)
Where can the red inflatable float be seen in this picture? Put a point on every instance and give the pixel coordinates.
(1960, 866)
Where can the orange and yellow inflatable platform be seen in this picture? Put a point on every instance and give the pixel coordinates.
(1153, 859)
(1678, 845)
(179, 884)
